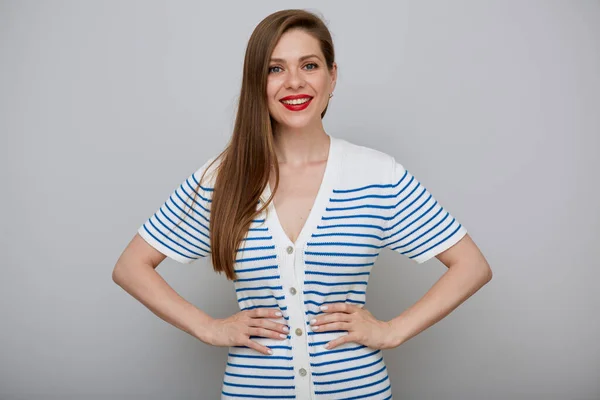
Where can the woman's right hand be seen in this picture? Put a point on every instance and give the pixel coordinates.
(237, 329)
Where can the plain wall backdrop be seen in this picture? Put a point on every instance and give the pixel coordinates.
(107, 106)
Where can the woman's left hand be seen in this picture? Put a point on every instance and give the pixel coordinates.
(361, 325)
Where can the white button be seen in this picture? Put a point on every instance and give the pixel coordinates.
(290, 249)
(298, 331)
(293, 290)
(302, 372)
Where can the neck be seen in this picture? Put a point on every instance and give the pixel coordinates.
(297, 147)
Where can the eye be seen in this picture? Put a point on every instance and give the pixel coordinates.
(314, 65)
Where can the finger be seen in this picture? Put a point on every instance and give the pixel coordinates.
(337, 307)
(265, 313)
(334, 326)
(339, 341)
(262, 332)
(258, 347)
(267, 324)
(328, 318)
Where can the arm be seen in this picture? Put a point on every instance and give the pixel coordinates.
(135, 272)
(467, 272)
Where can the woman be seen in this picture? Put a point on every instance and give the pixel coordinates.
(300, 254)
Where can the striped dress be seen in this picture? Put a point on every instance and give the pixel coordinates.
(367, 202)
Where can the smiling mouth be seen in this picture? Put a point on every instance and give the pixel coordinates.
(296, 102)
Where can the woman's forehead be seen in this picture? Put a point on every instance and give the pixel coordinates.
(296, 45)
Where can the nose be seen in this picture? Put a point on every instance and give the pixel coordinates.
(294, 79)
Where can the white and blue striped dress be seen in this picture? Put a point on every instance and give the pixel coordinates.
(367, 202)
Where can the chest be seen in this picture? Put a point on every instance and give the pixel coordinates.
(295, 196)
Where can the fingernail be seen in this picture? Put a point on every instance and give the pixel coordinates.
(281, 335)
(278, 313)
(270, 351)
(285, 328)
(326, 346)
(312, 321)
(314, 328)
(323, 308)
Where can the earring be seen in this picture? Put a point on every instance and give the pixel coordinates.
(330, 95)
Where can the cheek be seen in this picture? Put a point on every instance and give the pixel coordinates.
(272, 94)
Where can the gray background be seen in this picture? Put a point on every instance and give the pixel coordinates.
(107, 106)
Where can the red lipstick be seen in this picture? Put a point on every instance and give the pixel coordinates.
(296, 107)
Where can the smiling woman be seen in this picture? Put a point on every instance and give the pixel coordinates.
(297, 64)
(296, 218)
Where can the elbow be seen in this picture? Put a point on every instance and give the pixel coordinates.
(117, 274)
(488, 272)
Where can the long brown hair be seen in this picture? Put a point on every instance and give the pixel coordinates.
(245, 164)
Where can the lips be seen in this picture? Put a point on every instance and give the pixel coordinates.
(296, 107)
(295, 97)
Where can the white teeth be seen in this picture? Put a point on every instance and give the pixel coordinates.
(296, 101)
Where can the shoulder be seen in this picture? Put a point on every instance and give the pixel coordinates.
(207, 172)
(366, 165)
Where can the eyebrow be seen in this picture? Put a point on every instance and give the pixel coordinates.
(281, 60)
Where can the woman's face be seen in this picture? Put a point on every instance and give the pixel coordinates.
(297, 67)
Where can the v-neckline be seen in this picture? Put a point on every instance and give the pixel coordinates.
(318, 205)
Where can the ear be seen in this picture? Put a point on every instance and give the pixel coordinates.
(333, 75)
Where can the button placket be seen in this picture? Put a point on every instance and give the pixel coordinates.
(291, 256)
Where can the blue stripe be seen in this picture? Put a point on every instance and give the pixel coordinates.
(441, 241)
(413, 222)
(346, 234)
(312, 253)
(182, 219)
(339, 371)
(344, 244)
(354, 387)
(350, 226)
(431, 238)
(359, 207)
(256, 269)
(258, 386)
(259, 288)
(259, 238)
(332, 302)
(256, 396)
(206, 189)
(260, 357)
(269, 296)
(265, 306)
(179, 236)
(260, 366)
(193, 201)
(337, 264)
(260, 278)
(260, 376)
(418, 228)
(336, 274)
(335, 283)
(167, 246)
(239, 260)
(351, 379)
(257, 248)
(208, 200)
(334, 293)
(345, 359)
(375, 196)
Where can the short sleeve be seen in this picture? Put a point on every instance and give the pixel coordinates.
(417, 226)
(180, 227)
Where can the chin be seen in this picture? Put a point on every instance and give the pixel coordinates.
(296, 123)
